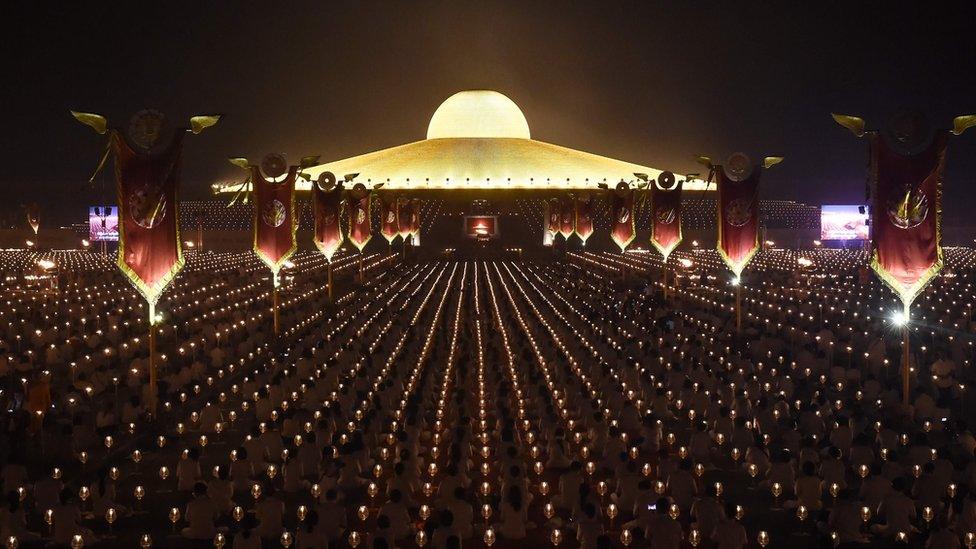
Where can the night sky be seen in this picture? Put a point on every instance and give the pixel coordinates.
(652, 83)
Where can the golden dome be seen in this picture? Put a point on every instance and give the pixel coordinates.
(478, 113)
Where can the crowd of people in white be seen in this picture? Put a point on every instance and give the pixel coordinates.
(448, 403)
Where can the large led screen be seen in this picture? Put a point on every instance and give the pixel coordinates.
(103, 223)
(844, 223)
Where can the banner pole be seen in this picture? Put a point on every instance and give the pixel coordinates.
(275, 302)
(330, 280)
(738, 308)
(153, 397)
(664, 272)
(361, 268)
(906, 357)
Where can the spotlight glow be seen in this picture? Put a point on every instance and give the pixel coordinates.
(899, 318)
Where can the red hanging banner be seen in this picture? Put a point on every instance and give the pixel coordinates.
(360, 231)
(34, 216)
(738, 217)
(622, 229)
(666, 214)
(738, 209)
(389, 222)
(404, 213)
(906, 216)
(147, 183)
(566, 217)
(583, 206)
(907, 165)
(327, 210)
(415, 224)
(554, 216)
(275, 223)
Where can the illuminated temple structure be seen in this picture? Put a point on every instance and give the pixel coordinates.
(481, 140)
(479, 158)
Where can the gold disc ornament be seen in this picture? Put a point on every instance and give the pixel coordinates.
(274, 165)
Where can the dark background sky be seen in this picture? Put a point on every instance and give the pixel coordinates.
(649, 82)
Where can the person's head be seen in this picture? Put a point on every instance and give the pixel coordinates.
(514, 497)
(199, 489)
(194, 454)
(248, 524)
(395, 495)
(447, 518)
(13, 501)
(662, 506)
(730, 510)
(311, 520)
(383, 522)
(898, 484)
(809, 468)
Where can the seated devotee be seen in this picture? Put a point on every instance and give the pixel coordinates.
(665, 532)
(897, 511)
(188, 472)
(246, 537)
(269, 511)
(809, 489)
(220, 489)
(13, 520)
(200, 514)
(707, 512)
(67, 520)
